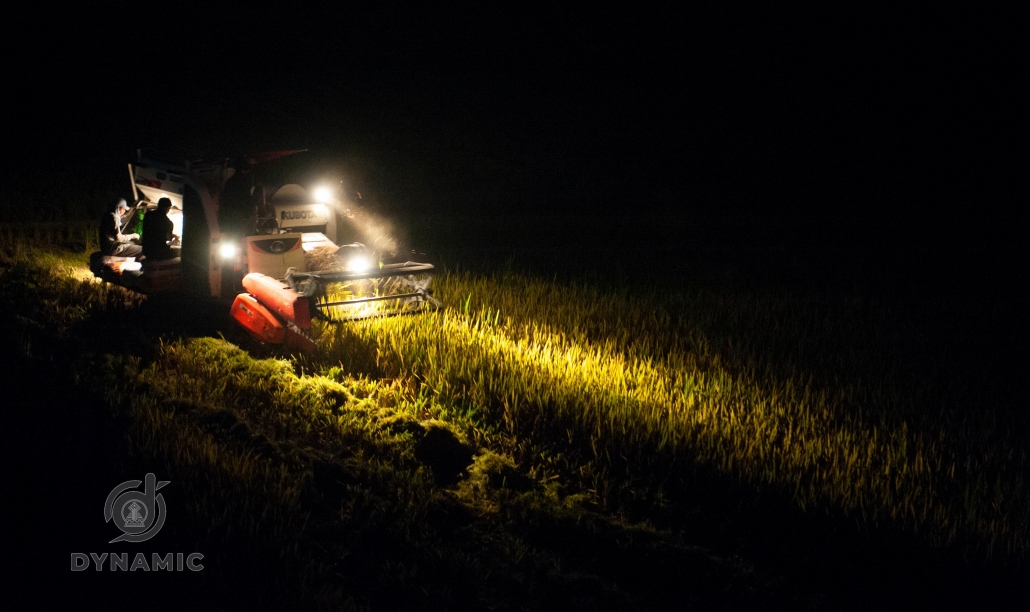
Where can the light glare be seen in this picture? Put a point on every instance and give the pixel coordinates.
(323, 194)
(358, 264)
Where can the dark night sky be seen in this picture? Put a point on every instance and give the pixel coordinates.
(842, 113)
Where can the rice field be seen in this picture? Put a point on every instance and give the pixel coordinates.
(641, 392)
(20, 238)
(567, 400)
(320, 489)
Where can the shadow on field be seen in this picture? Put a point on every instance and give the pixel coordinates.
(165, 316)
(67, 448)
(829, 554)
(66, 452)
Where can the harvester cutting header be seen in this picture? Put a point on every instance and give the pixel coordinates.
(278, 253)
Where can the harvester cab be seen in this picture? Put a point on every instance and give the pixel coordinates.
(288, 270)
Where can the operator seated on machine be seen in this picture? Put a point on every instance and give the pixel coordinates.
(158, 239)
(112, 240)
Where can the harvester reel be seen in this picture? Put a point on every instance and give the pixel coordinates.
(344, 295)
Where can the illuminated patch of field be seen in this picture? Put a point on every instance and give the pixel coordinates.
(636, 396)
(371, 297)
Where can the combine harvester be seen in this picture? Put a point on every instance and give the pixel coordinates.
(287, 274)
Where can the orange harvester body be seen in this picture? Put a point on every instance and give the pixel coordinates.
(279, 298)
(257, 319)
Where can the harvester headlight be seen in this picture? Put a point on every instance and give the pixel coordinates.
(227, 250)
(359, 264)
(323, 194)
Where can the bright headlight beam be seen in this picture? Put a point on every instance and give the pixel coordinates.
(358, 264)
(227, 251)
(323, 194)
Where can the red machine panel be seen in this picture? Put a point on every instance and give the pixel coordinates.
(279, 298)
(298, 341)
(257, 320)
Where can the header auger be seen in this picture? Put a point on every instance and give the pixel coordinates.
(341, 295)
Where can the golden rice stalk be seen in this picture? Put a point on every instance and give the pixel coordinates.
(322, 258)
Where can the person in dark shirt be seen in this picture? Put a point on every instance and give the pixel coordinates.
(157, 233)
(236, 203)
(112, 240)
